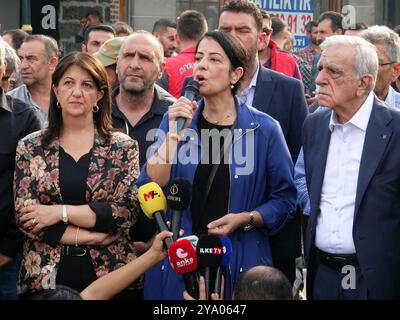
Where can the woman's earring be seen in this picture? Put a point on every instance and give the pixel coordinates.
(58, 104)
(232, 85)
(95, 108)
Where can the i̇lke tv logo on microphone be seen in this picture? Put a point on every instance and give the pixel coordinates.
(215, 251)
(183, 255)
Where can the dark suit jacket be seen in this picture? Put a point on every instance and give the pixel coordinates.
(282, 98)
(376, 229)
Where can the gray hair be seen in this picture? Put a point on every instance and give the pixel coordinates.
(365, 58)
(50, 44)
(384, 35)
(13, 62)
(2, 51)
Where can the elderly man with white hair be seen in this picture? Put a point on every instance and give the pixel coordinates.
(16, 121)
(352, 156)
(387, 44)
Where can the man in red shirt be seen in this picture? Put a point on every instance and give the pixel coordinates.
(191, 26)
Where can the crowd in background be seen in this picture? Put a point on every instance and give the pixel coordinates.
(322, 195)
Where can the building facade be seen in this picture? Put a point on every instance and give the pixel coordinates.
(60, 18)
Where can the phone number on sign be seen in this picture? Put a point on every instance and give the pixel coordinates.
(296, 22)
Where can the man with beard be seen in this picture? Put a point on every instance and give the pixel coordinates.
(39, 58)
(138, 105)
(308, 53)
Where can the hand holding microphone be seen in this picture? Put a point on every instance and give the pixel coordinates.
(184, 108)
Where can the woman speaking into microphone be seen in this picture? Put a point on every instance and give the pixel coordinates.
(234, 156)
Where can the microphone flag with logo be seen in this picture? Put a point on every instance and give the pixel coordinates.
(183, 260)
(225, 259)
(209, 254)
(154, 205)
(178, 199)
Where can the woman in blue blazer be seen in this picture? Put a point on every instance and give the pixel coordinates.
(251, 195)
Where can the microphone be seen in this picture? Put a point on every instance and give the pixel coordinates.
(183, 259)
(178, 199)
(209, 253)
(192, 238)
(192, 94)
(153, 203)
(225, 259)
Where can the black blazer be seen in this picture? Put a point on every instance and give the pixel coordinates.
(376, 229)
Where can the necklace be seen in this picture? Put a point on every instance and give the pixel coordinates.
(219, 121)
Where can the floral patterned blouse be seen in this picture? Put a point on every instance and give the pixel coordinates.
(113, 170)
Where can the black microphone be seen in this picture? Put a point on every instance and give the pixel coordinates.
(209, 254)
(192, 94)
(178, 199)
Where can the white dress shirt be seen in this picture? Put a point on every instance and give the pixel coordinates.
(246, 96)
(393, 98)
(334, 233)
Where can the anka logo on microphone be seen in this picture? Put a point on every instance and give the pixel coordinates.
(181, 253)
(150, 195)
(217, 251)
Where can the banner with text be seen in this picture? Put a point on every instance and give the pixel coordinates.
(296, 13)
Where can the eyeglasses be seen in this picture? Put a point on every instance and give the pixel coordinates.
(386, 63)
(267, 30)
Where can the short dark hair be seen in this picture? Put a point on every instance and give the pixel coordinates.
(233, 48)
(50, 44)
(162, 25)
(61, 292)
(97, 27)
(102, 118)
(397, 29)
(336, 19)
(263, 283)
(18, 36)
(191, 25)
(357, 26)
(310, 25)
(278, 26)
(245, 6)
(94, 12)
(122, 27)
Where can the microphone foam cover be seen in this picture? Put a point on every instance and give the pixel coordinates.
(226, 251)
(193, 240)
(152, 199)
(182, 256)
(179, 194)
(209, 251)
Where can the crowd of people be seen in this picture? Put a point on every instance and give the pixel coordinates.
(289, 155)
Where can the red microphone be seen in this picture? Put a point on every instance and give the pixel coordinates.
(183, 259)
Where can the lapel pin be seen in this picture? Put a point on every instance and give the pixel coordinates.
(384, 136)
